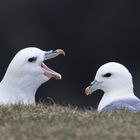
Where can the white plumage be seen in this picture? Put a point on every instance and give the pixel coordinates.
(116, 82)
(25, 74)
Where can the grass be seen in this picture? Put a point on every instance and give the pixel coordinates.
(55, 122)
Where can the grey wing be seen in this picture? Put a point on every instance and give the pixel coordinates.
(133, 102)
(137, 106)
(127, 104)
(118, 106)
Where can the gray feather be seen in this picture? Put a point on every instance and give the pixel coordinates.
(127, 104)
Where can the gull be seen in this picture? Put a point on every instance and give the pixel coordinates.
(25, 74)
(116, 82)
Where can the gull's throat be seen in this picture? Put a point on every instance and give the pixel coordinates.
(49, 72)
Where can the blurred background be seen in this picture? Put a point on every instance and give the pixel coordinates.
(91, 33)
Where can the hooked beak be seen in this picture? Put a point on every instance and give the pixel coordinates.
(51, 54)
(47, 71)
(95, 85)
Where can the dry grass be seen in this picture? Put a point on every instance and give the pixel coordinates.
(44, 122)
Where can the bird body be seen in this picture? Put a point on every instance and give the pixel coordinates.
(110, 98)
(127, 104)
(14, 93)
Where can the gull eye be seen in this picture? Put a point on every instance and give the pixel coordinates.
(107, 75)
(32, 59)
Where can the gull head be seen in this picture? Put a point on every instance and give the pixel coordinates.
(28, 67)
(111, 77)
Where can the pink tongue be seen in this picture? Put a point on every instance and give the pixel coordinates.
(50, 73)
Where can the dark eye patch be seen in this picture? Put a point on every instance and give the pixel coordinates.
(32, 59)
(107, 75)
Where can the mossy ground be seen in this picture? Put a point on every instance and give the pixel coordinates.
(55, 122)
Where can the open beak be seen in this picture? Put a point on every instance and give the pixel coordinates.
(95, 85)
(47, 71)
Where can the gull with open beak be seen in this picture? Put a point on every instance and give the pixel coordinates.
(24, 75)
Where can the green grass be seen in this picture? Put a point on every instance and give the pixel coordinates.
(55, 122)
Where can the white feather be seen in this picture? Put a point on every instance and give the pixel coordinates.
(117, 87)
(22, 78)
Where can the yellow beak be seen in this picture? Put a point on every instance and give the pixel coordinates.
(60, 51)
